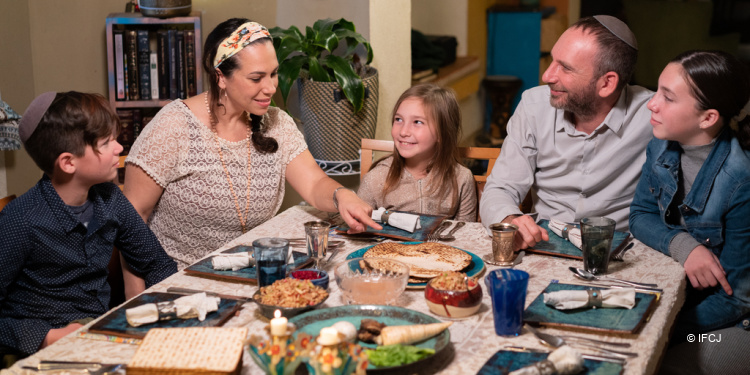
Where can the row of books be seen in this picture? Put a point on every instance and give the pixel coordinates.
(154, 65)
(131, 122)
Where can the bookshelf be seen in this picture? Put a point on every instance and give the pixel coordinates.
(173, 47)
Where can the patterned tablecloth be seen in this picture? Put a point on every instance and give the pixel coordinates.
(473, 338)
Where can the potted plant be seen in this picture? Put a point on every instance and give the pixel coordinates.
(338, 90)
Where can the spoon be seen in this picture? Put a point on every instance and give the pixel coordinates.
(586, 275)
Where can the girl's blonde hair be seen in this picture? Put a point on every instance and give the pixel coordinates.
(441, 108)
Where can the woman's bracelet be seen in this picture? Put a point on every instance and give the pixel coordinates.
(335, 200)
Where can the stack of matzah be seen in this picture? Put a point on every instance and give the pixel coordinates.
(425, 260)
(199, 350)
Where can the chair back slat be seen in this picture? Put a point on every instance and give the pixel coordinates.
(6, 200)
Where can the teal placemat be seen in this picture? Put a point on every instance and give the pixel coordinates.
(557, 246)
(428, 223)
(504, 362)
(115, 323)
(204, 267)
(602, 319)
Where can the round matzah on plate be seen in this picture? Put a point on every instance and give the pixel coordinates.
(475, 267)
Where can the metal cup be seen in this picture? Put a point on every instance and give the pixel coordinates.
(503, 241)
(316, 237)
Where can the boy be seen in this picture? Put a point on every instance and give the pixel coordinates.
(57, 238)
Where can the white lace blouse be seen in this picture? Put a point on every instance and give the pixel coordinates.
(196, 214)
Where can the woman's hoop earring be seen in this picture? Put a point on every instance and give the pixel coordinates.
(221, 97)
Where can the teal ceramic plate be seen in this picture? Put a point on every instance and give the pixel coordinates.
(312, 322)
(428, 224)
(560, 247)
(475, 268)
(115, 323)
(602, 320)
(204, 267)
(504, 362)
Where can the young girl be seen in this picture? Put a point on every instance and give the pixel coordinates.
(693, 202)
(423, 175)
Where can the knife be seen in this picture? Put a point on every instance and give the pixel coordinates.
(188, 291)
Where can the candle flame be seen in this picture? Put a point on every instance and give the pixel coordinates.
(277, 313)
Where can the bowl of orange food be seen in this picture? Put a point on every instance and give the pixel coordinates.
(453, 295)
(290, 296)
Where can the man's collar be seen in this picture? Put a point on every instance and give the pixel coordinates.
(614, 120)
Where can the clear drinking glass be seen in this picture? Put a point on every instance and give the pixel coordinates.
(596, 237)
(271, 256)
(316, 236)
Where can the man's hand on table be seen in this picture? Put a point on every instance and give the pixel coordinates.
(58, 333)
(355, 212)
(528, 233)
(705, 271)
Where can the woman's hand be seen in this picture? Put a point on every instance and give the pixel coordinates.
(355, 212)
(704, 270)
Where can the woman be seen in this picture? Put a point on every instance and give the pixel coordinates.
(211, 167)
(693, 202)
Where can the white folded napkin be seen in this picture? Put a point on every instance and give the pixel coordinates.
(234, 261)
(192, 306)
(407, 222)
(567, 231)
(576, 299)
(564, 360)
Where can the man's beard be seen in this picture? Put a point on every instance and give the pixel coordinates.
(580, 104)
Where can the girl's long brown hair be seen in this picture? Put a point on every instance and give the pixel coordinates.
(442, 109)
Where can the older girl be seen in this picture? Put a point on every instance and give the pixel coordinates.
(693, 201)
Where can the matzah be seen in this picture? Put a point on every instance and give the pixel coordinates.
(195, 350)
(425, 260)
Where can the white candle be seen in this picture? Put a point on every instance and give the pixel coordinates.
(328, 336)
(278, 324)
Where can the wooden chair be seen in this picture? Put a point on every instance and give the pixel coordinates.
(121, 172)
(479, 153)
(6, 200)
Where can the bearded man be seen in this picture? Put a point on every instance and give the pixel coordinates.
(578, 143)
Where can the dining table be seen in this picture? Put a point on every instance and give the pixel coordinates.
(473, 338)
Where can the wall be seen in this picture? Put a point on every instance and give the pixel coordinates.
(386, 24)
(60, 46)
(17, 86)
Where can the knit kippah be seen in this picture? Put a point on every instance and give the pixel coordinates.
(619, 29)
(35, 112)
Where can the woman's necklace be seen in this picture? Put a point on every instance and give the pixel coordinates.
(243, 218)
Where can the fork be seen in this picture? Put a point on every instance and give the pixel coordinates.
(435, 235)
(449, 236)
(620, 254)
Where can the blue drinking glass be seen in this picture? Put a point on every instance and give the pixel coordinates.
(271, 256)
(507, 287)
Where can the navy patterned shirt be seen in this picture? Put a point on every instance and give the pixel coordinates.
(53, 269)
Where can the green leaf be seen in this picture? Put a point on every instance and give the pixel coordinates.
(287, 46)
(350, 82)
(289, 72)
(325, 24)
(345, 25)
(317, 72)
(327, 40)
(352, 40)
(397, 355)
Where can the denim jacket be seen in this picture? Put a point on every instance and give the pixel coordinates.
(716, 213)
